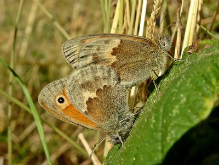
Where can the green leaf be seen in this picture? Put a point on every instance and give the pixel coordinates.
(188, 94)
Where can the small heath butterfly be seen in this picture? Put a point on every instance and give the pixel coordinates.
(106, 66)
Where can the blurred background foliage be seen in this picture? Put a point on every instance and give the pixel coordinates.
(38, 61)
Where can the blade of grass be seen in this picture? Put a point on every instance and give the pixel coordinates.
(108, 16)
(102, 3)
(57, 130)
(33, 109)
(208, 32)
(15, 101)
(10, 90)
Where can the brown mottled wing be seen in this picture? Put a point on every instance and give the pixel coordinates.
(67, 112)
(132, 58)
(96, 92)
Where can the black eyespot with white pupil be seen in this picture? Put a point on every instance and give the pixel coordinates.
(61, 100)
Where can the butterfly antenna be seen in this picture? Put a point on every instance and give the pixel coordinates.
(174, 23)
(175, 59)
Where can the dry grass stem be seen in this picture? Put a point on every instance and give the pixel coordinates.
(107, 148)
(127, 12)
(88, 149)
(193, 22)
(137, 19)
(188, 26)
(199, 17)
(62, 148)
(26, 132)
(177, 54)
(50, 16)
(121, 16)
(162, 17)
(133, 9)
(28, 29)
(116, 18)
(125, 24)
(143, 15)
(152, 21)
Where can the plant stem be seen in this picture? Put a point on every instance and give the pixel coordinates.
(10, 90)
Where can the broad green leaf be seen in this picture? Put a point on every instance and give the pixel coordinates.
(188, 94)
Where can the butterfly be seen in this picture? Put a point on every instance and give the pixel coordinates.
(106, 66)
(93, 98)
(133, 58)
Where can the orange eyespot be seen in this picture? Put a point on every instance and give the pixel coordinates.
(62, 102)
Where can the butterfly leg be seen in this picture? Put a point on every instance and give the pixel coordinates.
(122, 143)
(152, 76)
(96, 146)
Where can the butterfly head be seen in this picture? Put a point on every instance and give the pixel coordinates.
(165, 42)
